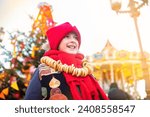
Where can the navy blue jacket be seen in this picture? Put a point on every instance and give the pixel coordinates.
(117, 94)
(34, 90)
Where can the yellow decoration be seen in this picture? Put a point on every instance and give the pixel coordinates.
(5, 91)
(15, 86)
(35, 48)
(28, 78)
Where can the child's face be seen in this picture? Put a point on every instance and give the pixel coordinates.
(69, 44)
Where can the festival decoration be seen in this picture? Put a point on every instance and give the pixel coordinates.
(19, 62)
(15, 86)
(2, 96)
(44, 19)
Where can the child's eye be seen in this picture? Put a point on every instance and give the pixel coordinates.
(67, 36)
(75, 37)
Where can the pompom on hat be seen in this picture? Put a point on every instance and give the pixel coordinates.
(57, 33)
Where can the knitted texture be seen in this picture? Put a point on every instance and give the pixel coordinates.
(57, 33)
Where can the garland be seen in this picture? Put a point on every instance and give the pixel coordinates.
(71, 69)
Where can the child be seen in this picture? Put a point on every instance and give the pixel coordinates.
(62, 74)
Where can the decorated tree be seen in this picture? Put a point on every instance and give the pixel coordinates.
(23, 55)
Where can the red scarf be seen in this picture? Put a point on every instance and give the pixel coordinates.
(89, 87)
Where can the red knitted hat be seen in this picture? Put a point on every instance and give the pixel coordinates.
(57, 33)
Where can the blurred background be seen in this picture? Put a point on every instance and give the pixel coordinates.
(114, 33)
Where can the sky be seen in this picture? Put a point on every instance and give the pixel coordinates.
(95, 19)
